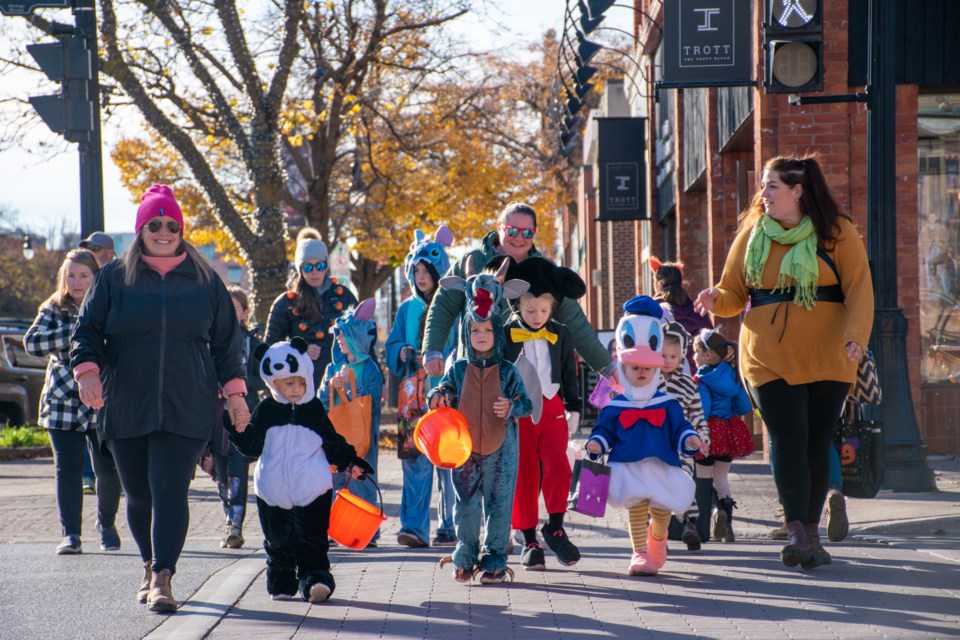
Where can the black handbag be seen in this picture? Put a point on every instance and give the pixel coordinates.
(860, 444)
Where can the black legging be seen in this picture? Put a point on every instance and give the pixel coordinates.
(68, 455)
(156, 470)
(801, 420)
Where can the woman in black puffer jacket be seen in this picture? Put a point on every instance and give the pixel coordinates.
(156, 338)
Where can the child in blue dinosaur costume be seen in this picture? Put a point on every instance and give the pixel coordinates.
(488, 390)
(354, 334)
(425, 263)
(645, 432)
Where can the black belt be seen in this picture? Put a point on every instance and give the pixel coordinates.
(760, 297)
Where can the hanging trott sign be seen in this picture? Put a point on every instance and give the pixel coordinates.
(621, 156)
(707, 43)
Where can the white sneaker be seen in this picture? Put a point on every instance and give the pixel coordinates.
(319, 592)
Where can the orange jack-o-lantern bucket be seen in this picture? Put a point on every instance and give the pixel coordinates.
(353, 520)
(444, 437)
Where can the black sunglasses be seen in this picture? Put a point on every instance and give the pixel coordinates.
(172, 226)
(320, 266)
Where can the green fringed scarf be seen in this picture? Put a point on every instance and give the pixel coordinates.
(799, 266)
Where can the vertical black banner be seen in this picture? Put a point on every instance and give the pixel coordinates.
(707, 43)
(621, 154)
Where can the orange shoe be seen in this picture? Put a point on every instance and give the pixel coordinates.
(642, 565)
(657, 549)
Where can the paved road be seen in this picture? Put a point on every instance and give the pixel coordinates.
(896, 576)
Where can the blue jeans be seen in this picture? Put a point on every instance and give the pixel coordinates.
(69, 450)
(233, 473)
(484, 486)
(364, 488)
(418, 477)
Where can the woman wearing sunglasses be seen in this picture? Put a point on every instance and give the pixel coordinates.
(156, 339)
(516, 229)
(314, 302)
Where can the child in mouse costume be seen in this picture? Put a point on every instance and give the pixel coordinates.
(296, 443)
(548, 346)
(488, 390)
(645, 432)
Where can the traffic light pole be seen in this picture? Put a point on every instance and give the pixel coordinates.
(91, 154)
(905, 463)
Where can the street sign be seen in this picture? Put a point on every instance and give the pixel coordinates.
(707, 43)
(621, 154)
(9, 8)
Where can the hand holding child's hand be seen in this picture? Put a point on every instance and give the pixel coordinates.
(501, 408)
(593, 447)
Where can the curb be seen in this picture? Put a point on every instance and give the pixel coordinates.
(19, 453)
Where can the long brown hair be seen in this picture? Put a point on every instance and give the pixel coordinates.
(61, 298)
(816, 200)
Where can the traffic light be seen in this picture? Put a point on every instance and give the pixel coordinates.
(793, 43)
(69, 62)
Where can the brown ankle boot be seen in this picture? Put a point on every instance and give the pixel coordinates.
(799, 549)
(144, 591)
(161, 594)
(813, 532)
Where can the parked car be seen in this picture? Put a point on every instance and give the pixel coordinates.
(21, 375)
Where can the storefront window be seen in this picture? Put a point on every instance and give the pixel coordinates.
(939, 190)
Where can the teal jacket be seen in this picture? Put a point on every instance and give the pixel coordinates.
(448, 303)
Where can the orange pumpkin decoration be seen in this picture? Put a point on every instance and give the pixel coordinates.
(339, 291)
(848, 454)
(319, 335)
(339, 306)
(291, 294)
(302, 326)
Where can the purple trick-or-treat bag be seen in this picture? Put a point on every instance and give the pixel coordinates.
(589, 488)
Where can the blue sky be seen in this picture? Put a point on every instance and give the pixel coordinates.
(45, 192)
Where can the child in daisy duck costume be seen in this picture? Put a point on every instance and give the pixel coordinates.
(644, 431)
(488, 391)
(296, 444)
(547, 346)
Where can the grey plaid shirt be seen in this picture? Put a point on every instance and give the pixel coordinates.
(60, 406)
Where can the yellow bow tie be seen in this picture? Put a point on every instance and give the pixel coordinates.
(522, 335)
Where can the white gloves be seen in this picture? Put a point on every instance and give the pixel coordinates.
(573, 422)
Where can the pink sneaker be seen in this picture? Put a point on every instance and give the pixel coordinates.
(642, 565)
(657, 550)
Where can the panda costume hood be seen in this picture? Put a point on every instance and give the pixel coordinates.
(285, 360)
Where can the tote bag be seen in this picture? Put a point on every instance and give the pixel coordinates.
(352, 418)
(860, 444)
(589, 487)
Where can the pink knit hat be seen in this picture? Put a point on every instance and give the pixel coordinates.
(158, 201)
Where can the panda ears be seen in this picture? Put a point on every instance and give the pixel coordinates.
(260, 351)
(443, 236)
(299, 344)
(365, 309)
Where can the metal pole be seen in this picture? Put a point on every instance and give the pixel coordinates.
(91, 156)
(905, 457)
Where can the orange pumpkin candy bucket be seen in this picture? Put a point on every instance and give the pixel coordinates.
(444, 437)
(353, 520)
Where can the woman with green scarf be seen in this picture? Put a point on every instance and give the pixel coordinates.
(801, 266)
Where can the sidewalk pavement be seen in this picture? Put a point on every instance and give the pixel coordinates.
(897, 575)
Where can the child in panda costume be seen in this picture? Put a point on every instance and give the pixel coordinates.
(645, 432)
(296, 444)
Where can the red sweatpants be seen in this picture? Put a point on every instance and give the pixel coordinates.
(542, 446)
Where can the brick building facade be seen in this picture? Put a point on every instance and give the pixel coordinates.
(707, 148)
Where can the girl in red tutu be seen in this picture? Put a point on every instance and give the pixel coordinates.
(724, 401)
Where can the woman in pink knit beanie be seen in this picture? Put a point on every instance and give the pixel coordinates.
(156, 339)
